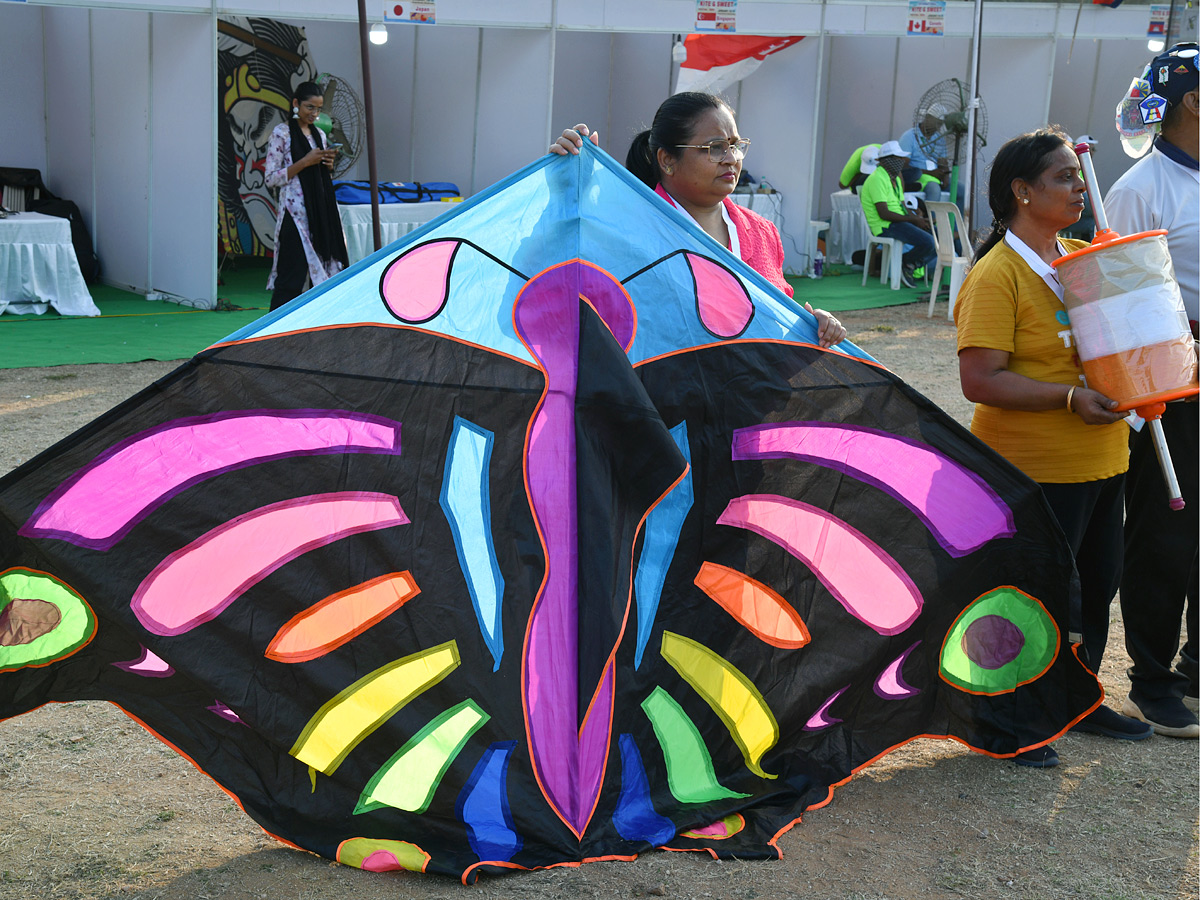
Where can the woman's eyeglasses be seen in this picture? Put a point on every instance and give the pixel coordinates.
(718, 150)
(310, 107)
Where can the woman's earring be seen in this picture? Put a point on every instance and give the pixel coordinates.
(296, 114)
(1025, 200)
(670, 170)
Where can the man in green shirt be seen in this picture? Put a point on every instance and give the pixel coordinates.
(857, 167)
(882, 198)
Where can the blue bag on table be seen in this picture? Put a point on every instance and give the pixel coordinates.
(394, 191)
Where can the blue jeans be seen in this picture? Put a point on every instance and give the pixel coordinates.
(923, 249)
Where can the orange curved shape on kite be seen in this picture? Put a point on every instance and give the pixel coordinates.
(340, 617)
(758, 608)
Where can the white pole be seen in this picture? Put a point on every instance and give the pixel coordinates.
(969, 168)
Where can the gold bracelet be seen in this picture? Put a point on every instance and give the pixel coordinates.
(1070, 394)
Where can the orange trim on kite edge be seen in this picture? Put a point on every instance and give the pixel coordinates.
(568, 864)
(715, 344)
(232, 796)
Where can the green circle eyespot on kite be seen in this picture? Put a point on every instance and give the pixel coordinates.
(1001, 641)
(42, 620)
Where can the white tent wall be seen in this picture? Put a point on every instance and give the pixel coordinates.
(21, 65)
(125, 131)
(1088, 81)
(475, 99)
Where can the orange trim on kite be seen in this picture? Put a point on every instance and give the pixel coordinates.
(716, 344)
(759, 609)
(340, 617)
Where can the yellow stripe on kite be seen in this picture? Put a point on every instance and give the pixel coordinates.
(729, 693)
(342, 723)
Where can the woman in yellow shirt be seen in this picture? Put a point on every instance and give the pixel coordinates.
(1018, 364)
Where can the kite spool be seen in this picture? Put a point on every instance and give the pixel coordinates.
(1129, 325)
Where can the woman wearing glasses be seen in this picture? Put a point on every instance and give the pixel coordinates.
(692, 157)
(309, 244)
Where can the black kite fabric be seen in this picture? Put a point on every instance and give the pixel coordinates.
(543, 536)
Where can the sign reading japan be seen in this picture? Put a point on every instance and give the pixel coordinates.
(418, 13)
(927, 17)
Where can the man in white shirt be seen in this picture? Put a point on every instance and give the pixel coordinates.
(1162, 190)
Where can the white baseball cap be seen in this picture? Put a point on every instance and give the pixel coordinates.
(892, 148)
(869, 161)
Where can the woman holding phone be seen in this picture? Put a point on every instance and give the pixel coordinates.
(309, 244)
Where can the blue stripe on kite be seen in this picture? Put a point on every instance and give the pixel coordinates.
(465, 499)
(662, 535)
(635, 817)
(483, 806)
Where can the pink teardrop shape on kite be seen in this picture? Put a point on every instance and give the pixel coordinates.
(415, 286)
(725, 307)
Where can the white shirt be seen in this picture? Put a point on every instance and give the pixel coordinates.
(735, 246)
(1158, 192)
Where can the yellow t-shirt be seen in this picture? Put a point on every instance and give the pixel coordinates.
(1005, 305)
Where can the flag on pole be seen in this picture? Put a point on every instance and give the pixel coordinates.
(715, 61)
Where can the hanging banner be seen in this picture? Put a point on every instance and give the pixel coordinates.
(716, 16)
(1159, 13)
(927, 17)
(715, 61)
(410, 13)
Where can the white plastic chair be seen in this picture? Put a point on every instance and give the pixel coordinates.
(889, 263)
(946, 220)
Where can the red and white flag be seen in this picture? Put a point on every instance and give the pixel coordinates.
(715, 61)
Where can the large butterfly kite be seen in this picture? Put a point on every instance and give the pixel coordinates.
(546, 535)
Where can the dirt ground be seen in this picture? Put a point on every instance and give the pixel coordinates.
(91, 806)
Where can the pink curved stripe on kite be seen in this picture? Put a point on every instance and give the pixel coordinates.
(890, 685)
(416, 285)
(958, 507)
(725, 307)
(867, 581)
(193, 585)
(821, 718)
(105, 499)
(148, 665)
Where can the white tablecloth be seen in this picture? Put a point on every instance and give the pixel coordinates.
(766, 205)
(848, 229)
(39, 269)
(395, 221)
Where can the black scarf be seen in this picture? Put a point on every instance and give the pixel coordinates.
(324, 226)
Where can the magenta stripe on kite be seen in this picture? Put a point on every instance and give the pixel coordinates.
(105, 499)
(957, 506)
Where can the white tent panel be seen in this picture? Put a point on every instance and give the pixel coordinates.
(182, 203)
(67, 130)
(514, 103)
(20, 42)
(1089, 79)
(120, 46)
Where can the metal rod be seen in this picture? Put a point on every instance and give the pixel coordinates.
(364, 49)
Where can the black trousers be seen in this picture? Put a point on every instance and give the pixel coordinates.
(291, 265)
(1090, 514)
(1161, 559)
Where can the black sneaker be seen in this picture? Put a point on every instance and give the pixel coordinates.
(1192, 702)
(1110, 723)
(1169, 717)
(1038, 758)
(906, 277)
